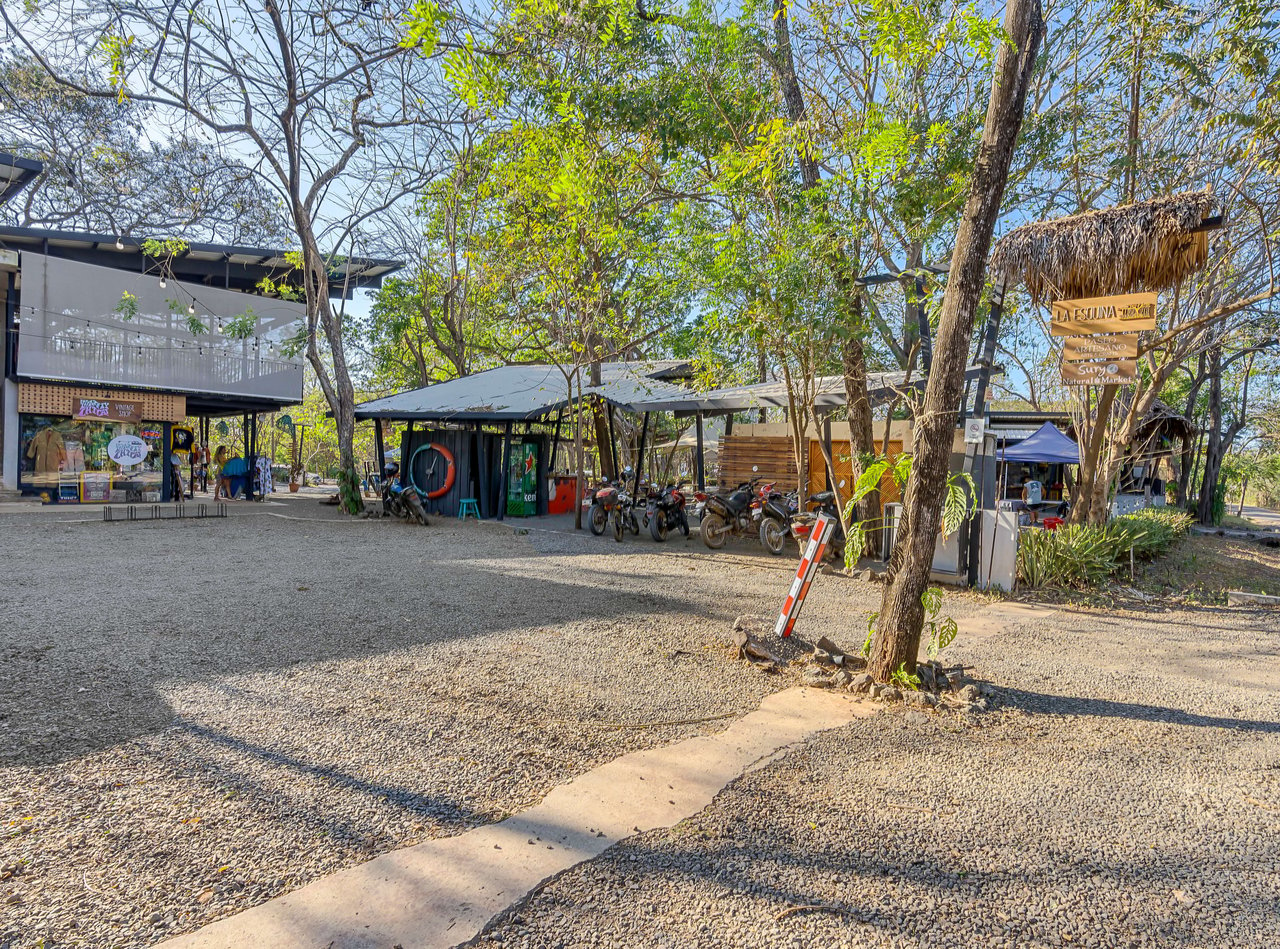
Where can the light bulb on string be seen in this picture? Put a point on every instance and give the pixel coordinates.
(119, 243)
(191, 308)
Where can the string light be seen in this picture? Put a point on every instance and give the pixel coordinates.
(119, 243)
(163, 283)
(191, 308)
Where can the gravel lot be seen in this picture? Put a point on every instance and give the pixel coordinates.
(197, 716)
(1124, 791)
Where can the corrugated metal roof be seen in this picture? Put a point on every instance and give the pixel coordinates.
(881, 386)
(523, 392)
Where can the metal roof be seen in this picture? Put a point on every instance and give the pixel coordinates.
(524, 392)
(237, 268)
(15, 174)
(881, 387)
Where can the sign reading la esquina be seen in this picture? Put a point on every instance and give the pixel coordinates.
(1100, 345)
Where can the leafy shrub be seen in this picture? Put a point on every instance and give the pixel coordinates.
(1081, 556)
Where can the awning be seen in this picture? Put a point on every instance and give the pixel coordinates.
(882, 387)
(1047, 445)
(525, 392)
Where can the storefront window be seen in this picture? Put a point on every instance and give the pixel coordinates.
(66, 459)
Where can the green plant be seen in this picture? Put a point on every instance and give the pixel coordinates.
(242, 326)
(127, 308)
(942, 633)
(1081, 556)
(904, 679)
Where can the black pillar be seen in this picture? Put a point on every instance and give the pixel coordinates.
(973, 546)
(644, 437)
(555, 443)
(613, 444)
(506, 464)
(699, 464)
(380, 449)
(831, 468)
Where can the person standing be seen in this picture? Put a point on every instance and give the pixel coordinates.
(221, 482)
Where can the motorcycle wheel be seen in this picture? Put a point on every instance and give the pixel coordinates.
(713, 530)
(773, 536)
(658, 527)
(635, 525)
(416, 511)
(597, 519)
(617, 526)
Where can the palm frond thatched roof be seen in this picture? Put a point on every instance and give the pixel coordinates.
(1149, 245)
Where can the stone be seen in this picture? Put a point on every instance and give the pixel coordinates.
(928, 679)
(875, 689)
(841, 679)
(1241, 598)
(969, 693)
(862, 683)
(816, 678)
(914, 717)
(891, 693)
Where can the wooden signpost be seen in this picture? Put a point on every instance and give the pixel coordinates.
(1127, 313)
(1100, 337)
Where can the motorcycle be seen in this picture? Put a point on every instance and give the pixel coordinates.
(603, 501)
(401, 500)
(802, 524)
(776, 513)
(623, 515)
(665, 510)
(726, 514)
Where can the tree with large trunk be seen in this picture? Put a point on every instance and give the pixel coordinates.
(896, 641)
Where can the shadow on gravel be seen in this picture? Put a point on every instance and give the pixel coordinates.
(85, 654)
(1045, 704)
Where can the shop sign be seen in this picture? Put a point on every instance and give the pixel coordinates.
(127, 450)
(1126, 313)
(1108, 372)
(95, 487)
(108, 409)
(1121, 346)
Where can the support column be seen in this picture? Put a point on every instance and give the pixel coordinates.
(699, 465)
(506, 464)
(973, 541)
(380, 449)
(613, 444)
(644, 437)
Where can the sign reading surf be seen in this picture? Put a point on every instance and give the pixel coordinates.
(1126, 313)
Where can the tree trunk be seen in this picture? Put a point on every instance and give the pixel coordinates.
(1087, 487)
(862, 444)
(1213, 451)
(896, 641)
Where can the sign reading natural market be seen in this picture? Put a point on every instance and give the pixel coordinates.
(108, 409)
(1107, 372)
(1127, 313)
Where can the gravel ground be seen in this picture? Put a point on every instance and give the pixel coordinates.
(197, 716)
(1123, 791)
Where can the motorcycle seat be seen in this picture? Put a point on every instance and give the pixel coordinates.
(823, 497)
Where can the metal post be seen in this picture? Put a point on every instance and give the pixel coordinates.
(699, 468)
(250, 423)
(985, 362)
(613, 442)
(379, 447)
(988, 357)
(555, 442)
(506, 463)
(644, 437)
(831, 468)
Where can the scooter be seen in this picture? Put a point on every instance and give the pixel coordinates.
(603, 502)
(623, 516)
(401, 500)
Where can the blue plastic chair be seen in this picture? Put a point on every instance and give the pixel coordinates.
(468, 506)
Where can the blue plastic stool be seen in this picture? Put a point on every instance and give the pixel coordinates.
(468, 506)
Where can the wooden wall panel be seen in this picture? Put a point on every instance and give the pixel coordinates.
(38, 399)
(773, 456)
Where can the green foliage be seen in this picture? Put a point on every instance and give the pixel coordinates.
(166, 248)
(242, 326)
(196, 325)
(279, 288)
(1081, 556)
(421, 26)
(904, 679)
(942, 632)
(127, 307)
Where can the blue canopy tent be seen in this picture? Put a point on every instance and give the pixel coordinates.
(1048, 445)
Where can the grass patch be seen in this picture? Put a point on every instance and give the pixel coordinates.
(1202, 568)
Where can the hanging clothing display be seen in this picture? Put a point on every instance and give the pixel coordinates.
(48, 450)
(264, 475)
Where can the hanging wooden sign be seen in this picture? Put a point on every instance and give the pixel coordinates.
(1127, 313)
(1119, 346)
(1108, 372)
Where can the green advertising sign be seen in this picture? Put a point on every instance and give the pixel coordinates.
(522, 481)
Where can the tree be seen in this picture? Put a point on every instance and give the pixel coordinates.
(335, 104)
(896, 640)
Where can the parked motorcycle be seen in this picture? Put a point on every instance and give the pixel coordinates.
(665, 510)
(401, 500)
(603, 502)
(776, 513)
(623, 515)
(725, 514)
(802, 524)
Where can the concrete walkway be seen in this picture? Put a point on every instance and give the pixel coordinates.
(442, 892)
